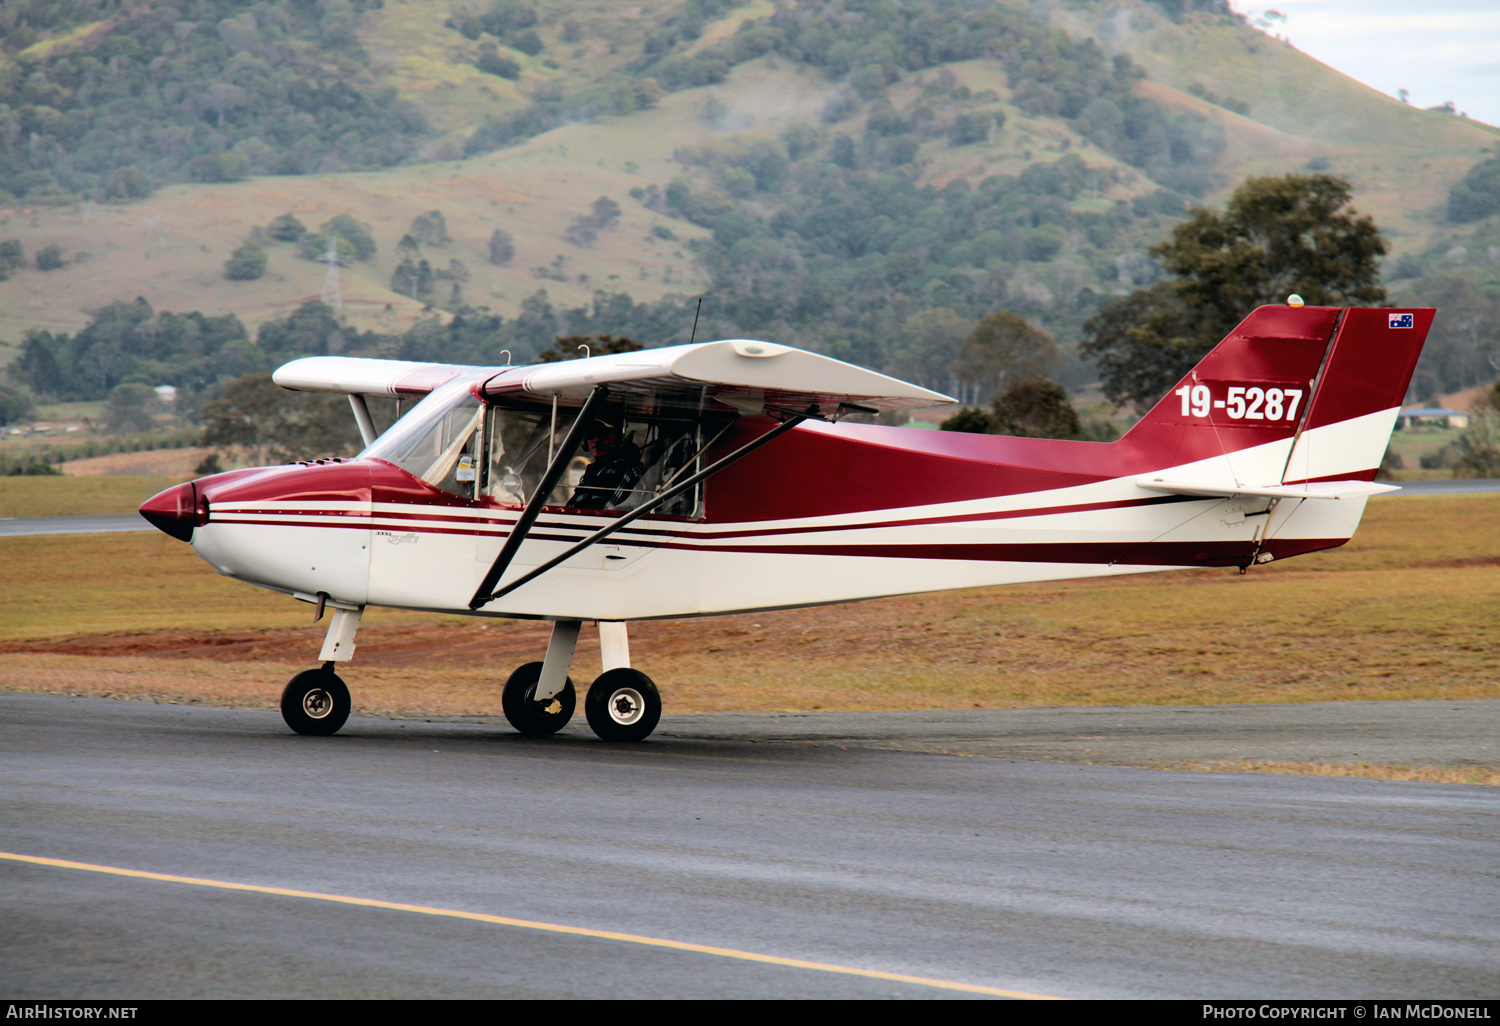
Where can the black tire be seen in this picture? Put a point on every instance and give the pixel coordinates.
(315, 702)
(528, 715)
(623, 705)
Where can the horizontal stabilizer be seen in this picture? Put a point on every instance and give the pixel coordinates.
(1310, 490)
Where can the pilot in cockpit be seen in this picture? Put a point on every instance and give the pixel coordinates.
(615, 469)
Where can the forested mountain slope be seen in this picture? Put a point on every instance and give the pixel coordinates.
(822, 171)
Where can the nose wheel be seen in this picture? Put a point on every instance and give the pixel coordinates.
(315, 702)
(623, 705)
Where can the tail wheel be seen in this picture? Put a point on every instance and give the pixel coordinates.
(623, 705)
(525, 713)
(315, 702)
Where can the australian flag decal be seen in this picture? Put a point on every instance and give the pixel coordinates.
(1401, 320)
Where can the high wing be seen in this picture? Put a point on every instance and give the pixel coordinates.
(353, 375)
(744, 375)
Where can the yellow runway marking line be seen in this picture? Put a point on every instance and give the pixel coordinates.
(531, 924)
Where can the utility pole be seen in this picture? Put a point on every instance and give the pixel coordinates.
(332, 295)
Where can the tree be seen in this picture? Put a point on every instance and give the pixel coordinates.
(1476, 453)
(50, 258)
(491, 62)
(1144, 342)
(970, 421)
(277, 424)
(218, 167)
(1003, 347)
(602, 215)
(1033, 408)
(352, 231)
(1036, 408)
(310, 330)
(1276, 236)
(16, 403)
(430, 229)
(129, 409)
(35, 468)
(502, 248)
(1478, 195)
(286, 228)
(247, 264)
(647, 93)
(973, 127)
(927, 346)
(566, 347)
(11, 257)
(37, 365)
(1463, 347)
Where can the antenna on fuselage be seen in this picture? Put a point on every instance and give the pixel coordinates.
(696, 312)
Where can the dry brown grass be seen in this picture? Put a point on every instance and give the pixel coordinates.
(1365, 770)
(63, 496)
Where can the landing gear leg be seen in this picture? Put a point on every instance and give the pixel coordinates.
(538, 698)
(622, 704)
(316, 702)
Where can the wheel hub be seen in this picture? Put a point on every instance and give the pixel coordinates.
(626, 706)
(317, 703)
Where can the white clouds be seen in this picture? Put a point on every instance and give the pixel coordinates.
(1439, 50)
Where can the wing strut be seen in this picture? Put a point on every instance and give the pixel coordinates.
(533, 508)
(362, 415)
(640, 511)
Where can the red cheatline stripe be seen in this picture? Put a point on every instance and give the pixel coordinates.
(429, 520)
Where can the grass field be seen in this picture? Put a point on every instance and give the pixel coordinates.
(1409, 609)
(65, 496)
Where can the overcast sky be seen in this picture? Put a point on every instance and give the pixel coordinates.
(1438, 50)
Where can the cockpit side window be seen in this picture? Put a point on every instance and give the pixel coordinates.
(625, 459)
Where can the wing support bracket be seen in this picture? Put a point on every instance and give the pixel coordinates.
(560, 460)
(604, 532)
(362, 415)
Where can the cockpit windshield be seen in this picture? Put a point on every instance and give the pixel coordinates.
(500, 452)
(437, 441)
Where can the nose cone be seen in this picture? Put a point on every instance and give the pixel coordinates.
(176, 511)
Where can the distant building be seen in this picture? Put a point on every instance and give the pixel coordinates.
(1432, 416)
(166, 394)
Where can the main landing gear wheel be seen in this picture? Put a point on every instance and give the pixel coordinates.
(315, 702)
(623, 705)
(526, 714)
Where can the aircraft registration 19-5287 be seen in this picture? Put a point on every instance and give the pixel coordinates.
(722, 477)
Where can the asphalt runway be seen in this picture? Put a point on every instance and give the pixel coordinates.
(1043, 878)
(1463, 733)
(102, 523)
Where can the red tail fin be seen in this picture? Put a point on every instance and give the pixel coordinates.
(1281, 373)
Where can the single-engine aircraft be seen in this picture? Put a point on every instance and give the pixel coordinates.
(721, 477)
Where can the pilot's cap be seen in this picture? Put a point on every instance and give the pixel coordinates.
(610, 423)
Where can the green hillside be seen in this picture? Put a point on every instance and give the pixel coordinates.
(822, 172)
